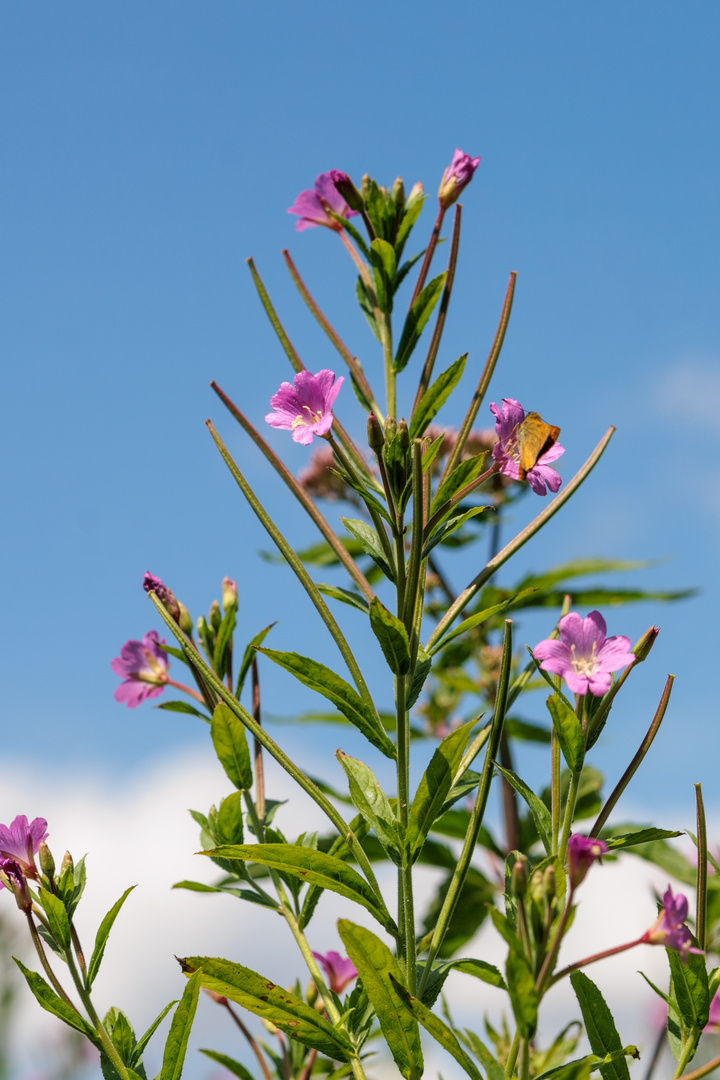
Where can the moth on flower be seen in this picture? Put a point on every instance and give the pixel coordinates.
(526, 445)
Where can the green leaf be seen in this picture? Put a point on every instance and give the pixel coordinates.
(230, 742)
(458, 517)
(538, 809)
(642, 836)
(142, 1043)
(475, 620)
(690, 984)
(346, 596)
(372, 802)
(526, 732)
(265, 998)
(229, 820)
(179, 1033)
(463, 474)
(365, 300)
(121, 1034)
(392, 635)
(249, 655)
(487, 973)
(375, 965)
(315, 868)
(102, 936)
(434, 787)
(382, 258)
(431, 452)
(439, 1030)
(243, 894)
(416, 321)
(370, 543)
(568, 730)
(223, 641)
(229, 1063)
(523, 995)
(435, 397)
(182, 707)
(49, 1000)
(481, 1052)
(469, 913)
(57, 917)
(410, 216)
(600, 1026)
(423, 664)
(321, 679)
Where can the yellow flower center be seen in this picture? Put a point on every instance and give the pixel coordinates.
(585, 665)
(302, 421)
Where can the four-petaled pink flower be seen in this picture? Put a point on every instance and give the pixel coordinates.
(143, 665)
(582, 851)
(312, 205)
(583, 656)
(669, 930)
(305, 408)
(456, 177)
(506, 451)
(20, 841)
(339, 970)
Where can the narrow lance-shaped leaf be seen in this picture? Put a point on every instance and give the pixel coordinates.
(538, 809)
(435, 397)
(248, 657)
(568, 730)
(393, 638)
(599, 1025)
(49, 1000)
(372, 802)
(230, 742)
(265, 998)
(371, 544)
(179, 1033)
(382, 257)
(435, 786)
(376, 964)
(320, 678)
(102, 936)
(416, 321)
(439, 1030)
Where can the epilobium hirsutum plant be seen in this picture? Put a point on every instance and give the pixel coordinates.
(413, 490)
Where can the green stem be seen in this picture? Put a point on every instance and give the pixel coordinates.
(524, 1070)
(413, 597)
(300, 572)
(272, 748)
(477, 398)
(442, 310)
(458, 879)
(512, 1055)
(300, 494)
(569, 812)
(687, 1052)
(521, 539)
(386, 332)
(702, 861)
(40, 950)
(95, 1020)
(406, 914)
(374, 516)
(555, 790)
(549, 962)
(704, 1070)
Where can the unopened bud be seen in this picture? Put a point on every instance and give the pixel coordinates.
(537, 893)
(214, 616)
(549, 884)
(347, 189)
(365, 186)
(519, 878)
(311, 993)
(229, 594)
(399, 194)
(67, 866)
(390, 428)
(375, 436)
(416, 192)
(164, 595)
(47, 863)
(185, 619)
(644, 645)
(404, 434)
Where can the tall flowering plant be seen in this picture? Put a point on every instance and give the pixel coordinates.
(454, 675)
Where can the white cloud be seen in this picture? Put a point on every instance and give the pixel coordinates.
(140, 832)
(689, 390)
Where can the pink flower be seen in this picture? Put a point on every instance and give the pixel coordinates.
(339, 970)
(143, 665)
(583, 656)
(669, 930)
(312, 206)
(305, 408)
(16, 883)
(582, 852)
(714, 1017)
(506, 451)
(456, 177)
(20, 841)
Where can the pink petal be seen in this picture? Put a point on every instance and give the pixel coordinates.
(615, 653)
(555, 451)
(571, 630)
(594, 631)
(303, 435)
(279, 420)
(577, 683)
(599, 683)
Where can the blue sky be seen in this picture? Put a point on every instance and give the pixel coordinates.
(149, 149)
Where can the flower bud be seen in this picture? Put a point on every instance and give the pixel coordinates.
(229, 594)
(347, 189)
(311, 994)
(375, 436)
(456, 178)
(537, 893)
(404, 434)
(67, 866)
(398, 194)
(416, 192)
(185, 619)
(390, 428)
(549, 884)
(365, 186)
(519, 878)
(582, 851)
(643, 647)
(164, 595)
(47, 863)
(214, 616)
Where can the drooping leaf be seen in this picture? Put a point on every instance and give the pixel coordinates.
(320, 678)
(435, 397)
(372, 802)
(230, 742)
(455, 520)
(479, 969)
(439, 1030)
(434, 787)
(52, 1003)
(475, 620)
(182, 707)
(375, 965)
(416, 321)
(370, 543)
(315, 868)
(229, 1063)
(265, 998)
(102, 936)
(568, 730)
(392, 635)
(599, 1025)
(345, 596)
(538, 809)
(243, 894)
(423, 664)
